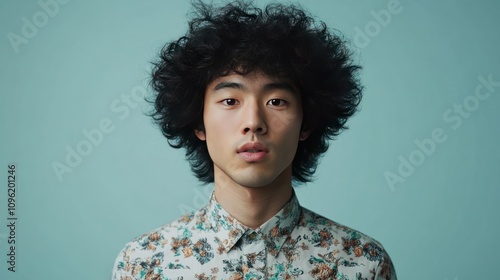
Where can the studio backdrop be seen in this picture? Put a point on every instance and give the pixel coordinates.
(85, 170)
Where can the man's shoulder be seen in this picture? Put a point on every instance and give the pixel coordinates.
(147, 251)
(352, 252)
(312, 221)
(162, 240)
(324, 233)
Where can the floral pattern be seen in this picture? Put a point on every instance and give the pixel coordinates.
(296, 243)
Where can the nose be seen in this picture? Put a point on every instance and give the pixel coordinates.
(254, 119)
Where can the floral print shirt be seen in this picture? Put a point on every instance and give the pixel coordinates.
(296, 243)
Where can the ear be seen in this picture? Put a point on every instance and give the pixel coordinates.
(304, 134)
(200, 134)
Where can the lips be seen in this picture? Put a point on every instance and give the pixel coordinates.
(253, 147)
(253, 151)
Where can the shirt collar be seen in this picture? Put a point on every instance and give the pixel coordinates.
(274, 232)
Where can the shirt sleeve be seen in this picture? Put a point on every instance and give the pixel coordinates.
(385, 270)
(119, 272)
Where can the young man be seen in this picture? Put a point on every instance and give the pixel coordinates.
(254, 96)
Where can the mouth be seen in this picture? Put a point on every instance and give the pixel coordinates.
(253, 156)
(253, 147)
(253, 151)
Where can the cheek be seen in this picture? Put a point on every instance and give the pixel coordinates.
(218, 128)
(286, 124)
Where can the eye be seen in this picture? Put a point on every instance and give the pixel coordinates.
(229, 102)
(277, 102)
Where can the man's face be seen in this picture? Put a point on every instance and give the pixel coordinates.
(252, 128)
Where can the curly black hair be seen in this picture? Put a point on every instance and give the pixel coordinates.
(281, 41)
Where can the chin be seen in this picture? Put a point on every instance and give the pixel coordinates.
(257, 178)
(252, 182)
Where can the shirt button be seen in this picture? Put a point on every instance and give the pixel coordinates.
(252, 235)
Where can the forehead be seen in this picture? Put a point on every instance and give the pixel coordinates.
(253, 81)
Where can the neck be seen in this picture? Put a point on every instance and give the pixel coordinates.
(253, 206)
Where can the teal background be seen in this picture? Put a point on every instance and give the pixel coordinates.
(440, 223)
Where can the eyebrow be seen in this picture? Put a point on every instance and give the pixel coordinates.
(222, 85)
(281, 85)
(267, 87)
